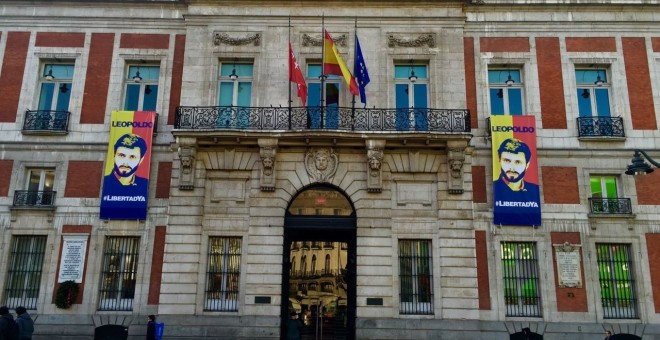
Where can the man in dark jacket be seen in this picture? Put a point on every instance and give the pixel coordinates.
(8, 327)
(151, 327)
(25, 324)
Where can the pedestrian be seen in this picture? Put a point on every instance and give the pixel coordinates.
(608, 335)
(293, 327)
(151, 327)
(25, 323)
(8, 327)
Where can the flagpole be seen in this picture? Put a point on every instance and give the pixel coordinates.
(322, 66)
(290, 73)
(354, 76)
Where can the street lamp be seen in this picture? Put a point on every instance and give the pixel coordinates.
(638, 166)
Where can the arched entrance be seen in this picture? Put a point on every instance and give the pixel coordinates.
(318, 283)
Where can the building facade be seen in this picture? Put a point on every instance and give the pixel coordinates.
(371, 220)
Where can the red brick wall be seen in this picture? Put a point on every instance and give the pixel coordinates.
(504, 44)
(639, 84)
(653, 248)
(645, 195)
(154, 41)
(470, 80)
(83, 179)
(6, 166)
(98, 78)
(569, 299)
(590, 44)
(11, 77)
(60, 39)
(177, 76)
(157, 265)
(479, 184)
(655, 42)
(483, 281)
(551, 83)
(73, 229)
(560, 185)
(163, 181)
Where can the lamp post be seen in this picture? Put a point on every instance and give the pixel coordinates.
(638, 166)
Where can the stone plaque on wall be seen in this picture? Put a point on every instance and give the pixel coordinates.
(569, 268)
(72, 262)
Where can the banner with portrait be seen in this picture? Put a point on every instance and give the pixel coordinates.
(515, 171)
(127, 166)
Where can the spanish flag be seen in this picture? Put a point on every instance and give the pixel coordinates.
(334, 64)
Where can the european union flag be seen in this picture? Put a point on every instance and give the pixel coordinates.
(361, 73)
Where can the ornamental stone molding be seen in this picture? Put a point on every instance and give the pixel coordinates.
(455, 159)
(222, 38)
(317, 40)
(375, 165)
(321, 164)
(187, 156)
(401, 40)
(267, 152)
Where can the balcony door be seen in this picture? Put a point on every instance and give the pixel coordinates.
(319, 265)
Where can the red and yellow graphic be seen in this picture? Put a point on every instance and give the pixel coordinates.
(127, 166)
(515, 171)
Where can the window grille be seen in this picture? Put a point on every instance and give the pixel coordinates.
(24, 274)
(415, 276)
(521, 279)
(222, 277)
(617, 281)
(118, 277)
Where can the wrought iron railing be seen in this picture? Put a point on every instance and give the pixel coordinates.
(600, 127)
(332, 118)
(33, 198)
(46, 121)
(610, 205)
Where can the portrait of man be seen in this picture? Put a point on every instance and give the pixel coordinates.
(514, 159)
(129, 152)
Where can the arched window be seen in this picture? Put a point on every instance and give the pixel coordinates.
(327, 264)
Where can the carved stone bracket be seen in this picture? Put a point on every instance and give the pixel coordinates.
(224, 38)
(455, 160)
(321, 164)
(267, 152)
(375, 164)
(396, 40)
(187, 156)
(317, 40)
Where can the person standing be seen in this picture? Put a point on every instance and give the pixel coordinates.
(25, 323)
(8, 327)
(608, 335)
(151, 327)
(293, 327)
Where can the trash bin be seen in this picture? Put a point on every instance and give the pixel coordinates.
(160, 327)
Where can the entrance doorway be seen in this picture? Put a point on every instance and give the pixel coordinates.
(319, 265)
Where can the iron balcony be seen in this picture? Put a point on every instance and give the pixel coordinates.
(33, 198)
(329, 118)
(46, 122)
(600, 127)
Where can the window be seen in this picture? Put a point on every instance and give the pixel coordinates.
(55, 91)
(234, 93)
(329, 117)
(141, 88)
(38, 188)
(605, 196)
(506, 91)
(415, 276)
(24, 274)
(327, 264)
(521, 279)
(411, 96)
(119, 272)
(617, 281)
(224, 269)
(593, 92)
(313, 271)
